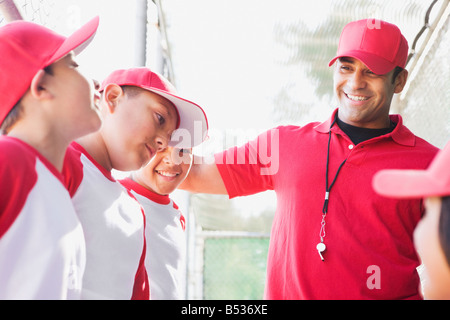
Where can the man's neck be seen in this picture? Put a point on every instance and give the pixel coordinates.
(358, 134)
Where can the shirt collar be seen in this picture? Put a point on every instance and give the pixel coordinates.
(147, 193)
(401, 134)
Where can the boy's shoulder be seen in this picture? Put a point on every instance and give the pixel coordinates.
(18, 176)
(15, 151)
(72, 169)
(77, 163)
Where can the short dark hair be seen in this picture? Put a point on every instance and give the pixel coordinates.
(131, 91)
(11, 118)
(397, 71)
(444, 227)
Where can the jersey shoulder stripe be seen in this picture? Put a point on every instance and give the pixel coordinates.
(18, 176)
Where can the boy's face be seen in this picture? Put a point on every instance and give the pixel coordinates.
(436, 278)
(75, 99)
(164, 173)
(136, 126)
(364, 97)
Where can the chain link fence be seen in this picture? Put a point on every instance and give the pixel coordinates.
(425, 103)
(39, 11)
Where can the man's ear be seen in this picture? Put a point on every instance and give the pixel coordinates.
(400, 81)
(38, 86)
(111, 95)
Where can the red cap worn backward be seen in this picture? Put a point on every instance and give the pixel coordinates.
(26, 48)
(434, 181)
(380, 45)
(192, 127)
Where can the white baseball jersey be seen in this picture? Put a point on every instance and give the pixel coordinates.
(166, 243)
(42, 249)
(113, 223)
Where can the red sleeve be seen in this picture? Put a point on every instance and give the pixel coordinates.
(18, 176)
(250, 169)
(72, 170)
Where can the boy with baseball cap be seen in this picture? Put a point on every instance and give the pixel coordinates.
(45, 103)
(165, 230)
(432, 235)
(140, 111)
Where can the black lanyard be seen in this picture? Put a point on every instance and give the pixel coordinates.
(327, 192)
(328, 188)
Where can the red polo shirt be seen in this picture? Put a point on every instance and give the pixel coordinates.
(369, 238)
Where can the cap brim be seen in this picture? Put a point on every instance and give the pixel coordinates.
(374, 63)
(193, 127)
(78, 41)
(406, 184)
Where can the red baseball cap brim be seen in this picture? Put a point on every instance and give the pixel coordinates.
(78, 41)
(191, 117)
(434, 181)
(375, 63)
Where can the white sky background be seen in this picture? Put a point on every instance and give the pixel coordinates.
(234, 41)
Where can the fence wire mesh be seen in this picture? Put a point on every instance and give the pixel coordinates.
(39, 11)
(426, 104)
(234, 268)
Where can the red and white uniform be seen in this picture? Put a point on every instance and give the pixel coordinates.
(42, 249)
(166, 250)
(113, 223)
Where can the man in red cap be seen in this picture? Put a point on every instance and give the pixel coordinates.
(432, 235)
(140, 111)
(45, 103)
(333, 237)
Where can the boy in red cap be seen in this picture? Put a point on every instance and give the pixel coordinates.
(432, 235)
(140, 111)
(165, 229)
(333, 237)
(45, 103)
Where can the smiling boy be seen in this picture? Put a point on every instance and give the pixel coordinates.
(165, 230)
(45, 103)
(330, 228)
(140, 111)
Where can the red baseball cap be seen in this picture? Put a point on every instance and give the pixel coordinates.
(434, 181)
(191, 116)
(378, 44)
(26, 48)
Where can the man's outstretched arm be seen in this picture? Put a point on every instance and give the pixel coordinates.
(204, 177)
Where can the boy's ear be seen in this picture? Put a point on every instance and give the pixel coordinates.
(38, 87)
(111, 94)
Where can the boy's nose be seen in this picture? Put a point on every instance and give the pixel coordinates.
(167, 158)
(161, 143)
(96, 84)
